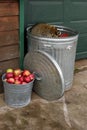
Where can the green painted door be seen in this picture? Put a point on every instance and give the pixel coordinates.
(71, 13)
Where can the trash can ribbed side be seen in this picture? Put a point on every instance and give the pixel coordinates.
(63, 50)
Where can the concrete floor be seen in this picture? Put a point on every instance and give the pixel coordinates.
(67, 113)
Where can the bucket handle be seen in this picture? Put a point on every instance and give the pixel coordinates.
(37, 76)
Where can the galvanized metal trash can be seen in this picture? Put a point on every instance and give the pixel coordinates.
(17, 95)
(49, 83)
(63, 50)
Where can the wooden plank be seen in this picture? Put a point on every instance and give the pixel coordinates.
(9, 23)
(9, 52)
(1, 86)
(8, 1)
(9, 9)
(4, 65)
(9, 35)
(13, 63)
(9, 38)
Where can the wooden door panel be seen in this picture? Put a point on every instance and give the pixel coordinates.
(78, 10)
(71, 13)
(44, 11)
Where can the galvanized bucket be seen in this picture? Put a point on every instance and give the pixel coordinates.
(63, 50)
(17, 95)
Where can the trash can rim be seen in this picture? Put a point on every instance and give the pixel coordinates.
(60, 39)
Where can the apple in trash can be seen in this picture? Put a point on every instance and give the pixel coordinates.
(64, 35)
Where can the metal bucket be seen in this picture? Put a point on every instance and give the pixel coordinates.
(17, 95)
(63, 50)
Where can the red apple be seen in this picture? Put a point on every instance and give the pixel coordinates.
(64, 35)
(17, 82)
(26, 73)
(21, 78)
(11, 80)
(20, 74)
(27, 79)
(16, 77)
(17, 72)
(9, 75)
(9, 70)
(31, 76)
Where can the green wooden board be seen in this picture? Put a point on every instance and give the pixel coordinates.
(70, 13)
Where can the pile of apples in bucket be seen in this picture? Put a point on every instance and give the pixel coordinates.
(18, 76)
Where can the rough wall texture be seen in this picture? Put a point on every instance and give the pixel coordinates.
(9, 36)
